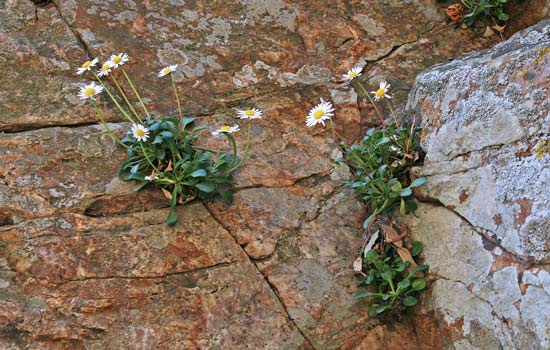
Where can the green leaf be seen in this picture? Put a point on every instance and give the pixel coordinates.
(402, 207)
(410, 301)
(172, 218)
(418, 284)
(381, 309)
(138, 186)
(372, 311)
(410, 205)
(161, 153)
(402, 266)
(198, 173)
(418, 269)
(158, 140)
(369, 278)
(166, 134)
(126, 175)
(503, 17)
(396, 187)
(418, 182)
(205, 187)
(387, 276)
(366, 223)
(383, 140)
(371, 256)
(381, 170)
(186, 121)
(154, 126)
(404, 284)
(417, 248)
(227, 196)
(364, 294)
(406, 192)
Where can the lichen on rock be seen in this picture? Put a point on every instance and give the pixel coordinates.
(485, 120)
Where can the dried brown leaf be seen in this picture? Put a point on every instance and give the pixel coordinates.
(488, 32)
(169, 167)
(406, 256)
(498, 28)
(166, 194)
(454, 12)
(391, 236)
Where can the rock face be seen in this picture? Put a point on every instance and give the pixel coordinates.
(485, 121)
(85, 263)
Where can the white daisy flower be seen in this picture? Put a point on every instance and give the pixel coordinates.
(150, 178)
(319, 113)
(140, 132)
(226, 130)
(253, 113)
(90, 90)
(105, 69)
(352, 73)
(118, 60)
(167, 70)
(86, 66)
(382, 91)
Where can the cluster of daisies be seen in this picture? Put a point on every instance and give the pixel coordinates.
(92, 89)
(319, 114)
(252, 113)
(325, 110)
(139, 131)
(113, 62)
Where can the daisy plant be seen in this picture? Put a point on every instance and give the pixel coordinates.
(163, 151)
(380, 163)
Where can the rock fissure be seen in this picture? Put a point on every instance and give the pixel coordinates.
(500, 317)
(480, 231)
(271, 286)
(176, 273)
(75, 32)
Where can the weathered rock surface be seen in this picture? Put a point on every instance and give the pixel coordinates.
(132, 282)
(485, 122)
(85, 263)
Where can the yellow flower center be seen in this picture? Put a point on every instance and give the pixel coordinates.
(352, 75)
(166, 70)
(105, 67)
(225, 128)
(90, 91)
(117, 59)
(140, 132)
(86, 64)
(249, 113)
(380, 92)
(318, 114)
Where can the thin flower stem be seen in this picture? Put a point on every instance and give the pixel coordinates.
(135, 91)
(245, 151)
(119, 107)
(335, 134)
(126, 99)
(411, 135)
(147, 157)
(234, 145)
(176, 93)
(393, 114)
(371, 101)
(109, 131)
